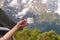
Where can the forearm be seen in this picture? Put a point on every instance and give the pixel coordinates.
(10, 33)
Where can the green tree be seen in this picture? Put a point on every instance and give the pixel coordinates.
(59, 38)
(22, 35)
(27, 34)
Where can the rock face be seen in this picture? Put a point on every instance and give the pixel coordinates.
(12, 7)
(43, 20)
(5, 21)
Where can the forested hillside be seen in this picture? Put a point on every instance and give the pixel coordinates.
(28, 34)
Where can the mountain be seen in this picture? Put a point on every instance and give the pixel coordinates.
(12, 11)
(5, 20)
(45, 19)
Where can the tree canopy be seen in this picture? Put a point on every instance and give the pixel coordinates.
(28, 34)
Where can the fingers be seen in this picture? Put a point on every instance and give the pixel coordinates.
(22, 23)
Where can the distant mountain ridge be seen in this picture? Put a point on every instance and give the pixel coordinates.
(43, 20)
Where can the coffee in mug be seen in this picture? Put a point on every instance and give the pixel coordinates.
(30, 20)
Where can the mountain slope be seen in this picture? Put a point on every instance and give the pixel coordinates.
(44, 20)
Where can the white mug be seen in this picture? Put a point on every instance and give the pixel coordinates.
(30, 20)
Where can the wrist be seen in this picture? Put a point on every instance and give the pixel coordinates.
(17, 26)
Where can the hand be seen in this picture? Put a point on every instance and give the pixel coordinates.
(22, 23)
